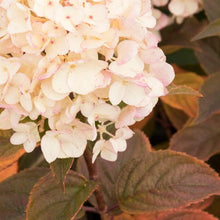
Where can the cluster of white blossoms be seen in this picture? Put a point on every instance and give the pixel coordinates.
(73, 71)
(180, 8)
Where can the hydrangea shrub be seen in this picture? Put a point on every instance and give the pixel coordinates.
(79, 79)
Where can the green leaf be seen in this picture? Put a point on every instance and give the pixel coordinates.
(48, 201)
(212, 9)
(164, 180)
(60, 168)
(209, 54)
(184, 214)
(213, 29)
(200, 140)
(210, 102)
(14, 193)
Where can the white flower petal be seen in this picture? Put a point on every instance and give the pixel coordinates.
(18, 138)
(12, 95)
(162, 71)
(26, 102)
(126, 50)
(108, 152)
(50, 147)
(29, 145)
(116, 92)
(83, 77)
(118, 144)
(49, 92)
(97, 149)
(134, 94)
(59, 80)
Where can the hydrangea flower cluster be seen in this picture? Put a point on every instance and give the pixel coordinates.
(73, 71)
(180, 8)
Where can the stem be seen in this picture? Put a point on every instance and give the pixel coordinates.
(90, 209)
(113, 207)
(93, 176)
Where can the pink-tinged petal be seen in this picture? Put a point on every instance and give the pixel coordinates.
(151, 40)
(18, 138)
(118, 144)
(157, 89)
(125, 133)
(126, 50)
(49, 92)
(108, 152)
(12, 95)
(59, 80)
(152, 55)
(50, 147)
(129, 69)
(103, 80)
(29, 145)
(126, 117)
(162, 71)
(134, 94)
(116, 92)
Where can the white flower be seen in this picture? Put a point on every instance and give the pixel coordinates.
(70, 63)
(26, 134)
(109, 149)
(70, 142)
